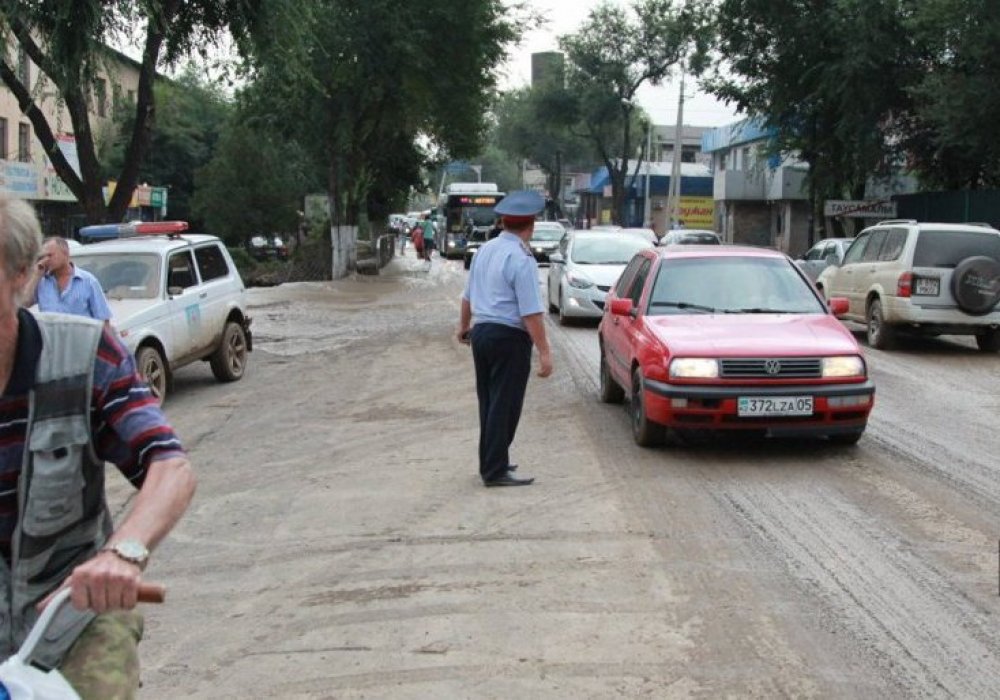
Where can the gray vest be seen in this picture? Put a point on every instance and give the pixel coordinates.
(63, 516)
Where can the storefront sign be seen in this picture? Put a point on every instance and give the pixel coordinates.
(697, 212)
(19, 179)
(873, 209)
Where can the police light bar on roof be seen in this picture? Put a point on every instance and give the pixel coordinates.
(141, 228)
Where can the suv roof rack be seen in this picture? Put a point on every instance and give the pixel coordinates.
(896, 221)
(984, 224)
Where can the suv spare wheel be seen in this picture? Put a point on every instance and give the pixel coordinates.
(975, 284)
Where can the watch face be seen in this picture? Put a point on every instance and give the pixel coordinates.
(132, 549)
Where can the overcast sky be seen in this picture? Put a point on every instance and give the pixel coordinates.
(565, 17)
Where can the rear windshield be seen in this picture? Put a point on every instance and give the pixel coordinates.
(948, 248)
(699, 239)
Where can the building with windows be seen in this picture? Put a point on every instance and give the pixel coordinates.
(760, 199)
(25, 170)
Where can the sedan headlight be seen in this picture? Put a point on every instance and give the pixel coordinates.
(843, 366)
(694, 368)
(577, 280)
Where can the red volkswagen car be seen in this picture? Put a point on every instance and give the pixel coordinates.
(730, 338)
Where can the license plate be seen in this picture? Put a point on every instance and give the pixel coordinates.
(775, 406)
(927, 286)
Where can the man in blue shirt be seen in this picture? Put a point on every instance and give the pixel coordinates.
(502, 293)
(65, 288)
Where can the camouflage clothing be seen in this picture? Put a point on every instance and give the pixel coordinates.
(103, 664)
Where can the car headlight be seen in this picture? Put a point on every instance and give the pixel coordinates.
(694, 368)
(843, 366)
(577, 280)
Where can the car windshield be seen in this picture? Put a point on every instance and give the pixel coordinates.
(731, 284)
(124, 275)
(548, 233)
(698, 239)
(948, 248)
(607, 250)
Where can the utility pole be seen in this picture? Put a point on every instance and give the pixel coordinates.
(674, 198)
(647, 216)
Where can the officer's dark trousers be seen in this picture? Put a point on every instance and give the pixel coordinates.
(502, 355)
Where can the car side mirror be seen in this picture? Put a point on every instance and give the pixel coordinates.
(556, 258)
(621, 307)
(175, 291)
(839, 306)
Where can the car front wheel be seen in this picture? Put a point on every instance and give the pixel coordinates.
(230, 359)
(880, 334)
(645, 432)
(611, 391)
(153, 369)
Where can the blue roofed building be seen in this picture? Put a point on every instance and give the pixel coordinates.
(760, 199)
(696, 196)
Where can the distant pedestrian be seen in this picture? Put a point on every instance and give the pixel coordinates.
(502, 294)
(429, 231)
(64, 288)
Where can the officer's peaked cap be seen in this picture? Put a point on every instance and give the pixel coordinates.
(520, 203)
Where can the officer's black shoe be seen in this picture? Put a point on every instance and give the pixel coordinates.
(509, 479)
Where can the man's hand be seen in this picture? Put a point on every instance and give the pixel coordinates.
(462, 336)
(545, 368)
(104, 582)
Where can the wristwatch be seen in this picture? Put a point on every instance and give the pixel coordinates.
(132, 551)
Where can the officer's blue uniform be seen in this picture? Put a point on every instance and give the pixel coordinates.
(501, 289)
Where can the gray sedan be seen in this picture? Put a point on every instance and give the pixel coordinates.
(583, 269)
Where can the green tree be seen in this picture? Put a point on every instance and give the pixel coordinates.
(68, 42)
(831, 77)
(191, 116)
(952, 134)
(365, 79)
(254, 183)
(611, 56)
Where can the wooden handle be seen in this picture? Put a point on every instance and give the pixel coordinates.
(152, 593)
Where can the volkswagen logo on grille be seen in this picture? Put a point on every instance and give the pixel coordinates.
(772, 367)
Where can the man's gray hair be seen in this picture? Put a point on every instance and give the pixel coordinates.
(60, 242)
(20, 235)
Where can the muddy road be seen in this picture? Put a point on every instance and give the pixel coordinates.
(341, 545)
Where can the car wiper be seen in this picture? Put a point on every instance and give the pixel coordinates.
(760, 310)
(682, 305)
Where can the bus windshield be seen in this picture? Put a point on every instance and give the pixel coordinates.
(464, 210)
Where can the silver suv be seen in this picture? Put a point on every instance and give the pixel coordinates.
(925, 278)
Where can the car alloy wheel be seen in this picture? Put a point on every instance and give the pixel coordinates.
(230, 358)
(153, 369)
(880, 334)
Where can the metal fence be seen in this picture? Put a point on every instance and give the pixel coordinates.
(951, 207)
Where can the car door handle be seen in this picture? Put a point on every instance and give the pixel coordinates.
(203, 295)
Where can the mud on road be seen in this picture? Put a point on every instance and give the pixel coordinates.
(341, 545)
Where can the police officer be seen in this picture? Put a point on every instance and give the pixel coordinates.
(502, 293)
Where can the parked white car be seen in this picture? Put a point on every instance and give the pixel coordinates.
(176, 299)
(587, 263)
(921, 278)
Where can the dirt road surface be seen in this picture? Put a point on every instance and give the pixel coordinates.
(341, 545)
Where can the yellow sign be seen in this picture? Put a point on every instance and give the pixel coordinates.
(698, 212)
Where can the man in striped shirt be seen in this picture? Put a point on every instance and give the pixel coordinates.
(65, 288)
(127, 427)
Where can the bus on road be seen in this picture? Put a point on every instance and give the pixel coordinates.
(467, 208)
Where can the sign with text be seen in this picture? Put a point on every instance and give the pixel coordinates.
(697, 212)
(877, 209)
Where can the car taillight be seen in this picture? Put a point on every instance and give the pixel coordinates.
(904, 287)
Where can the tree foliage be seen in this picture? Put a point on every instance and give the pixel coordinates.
(616, 51)
(68, 42)
(192, 115)
(377, 86)
(860, 88)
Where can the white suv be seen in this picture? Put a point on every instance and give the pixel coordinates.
(176, 299)
(924, 278)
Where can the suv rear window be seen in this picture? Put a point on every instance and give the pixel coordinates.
(948, 248)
